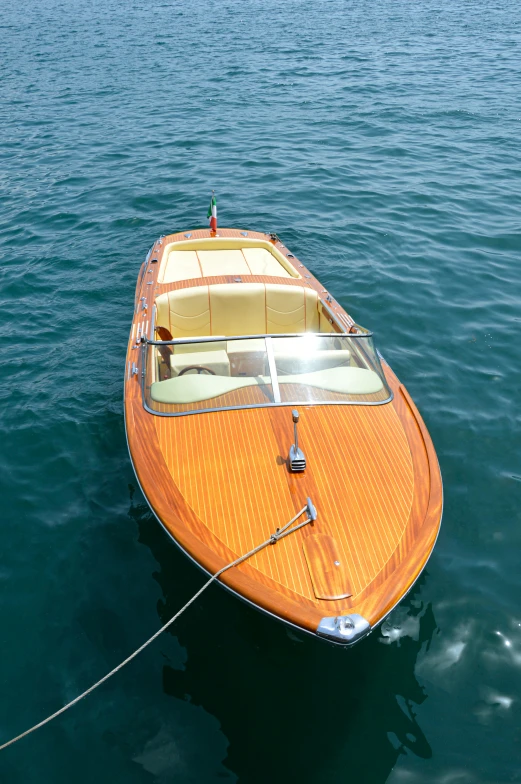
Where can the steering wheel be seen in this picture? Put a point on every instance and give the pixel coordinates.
(199, 368)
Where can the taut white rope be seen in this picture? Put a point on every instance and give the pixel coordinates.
(274, 538)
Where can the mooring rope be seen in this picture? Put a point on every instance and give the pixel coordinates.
(273, 539)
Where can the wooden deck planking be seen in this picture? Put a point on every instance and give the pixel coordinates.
(363, 498)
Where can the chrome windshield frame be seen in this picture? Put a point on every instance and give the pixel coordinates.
(274, 378)
(273, 372)
(220, 338)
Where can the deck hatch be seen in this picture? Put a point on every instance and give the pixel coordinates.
(327, 567)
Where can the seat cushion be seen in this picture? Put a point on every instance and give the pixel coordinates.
(195, 389)
(312, 315)
(344, 380)
(223, 262)
(182, 265)
(245, 346)
(214, 360)
(261, 262)
(288, 362)
(285, 309)
(194, 348)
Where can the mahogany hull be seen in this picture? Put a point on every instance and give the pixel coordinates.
(372, 474)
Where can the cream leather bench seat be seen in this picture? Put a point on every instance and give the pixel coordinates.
(223, 256)
(238, 309)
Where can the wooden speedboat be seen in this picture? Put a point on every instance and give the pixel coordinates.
(252, 399)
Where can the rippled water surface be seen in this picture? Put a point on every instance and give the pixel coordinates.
(381, 141)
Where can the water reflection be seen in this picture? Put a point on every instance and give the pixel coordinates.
(292, 707)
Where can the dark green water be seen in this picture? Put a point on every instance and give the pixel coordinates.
(381, 141)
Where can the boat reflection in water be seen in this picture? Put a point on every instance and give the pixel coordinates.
(290, 710)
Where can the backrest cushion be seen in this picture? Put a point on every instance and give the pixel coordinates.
(290, 309)
(238, 309)
(285, 308)
(186, 312)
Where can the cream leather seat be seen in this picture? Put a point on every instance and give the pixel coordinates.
(290, 309)
(238, 309)
(182, 265)
(214, 359)
(210, 256)
(211, 355)
(192, 389)
(186, 313)
(223, 262)
(315, 360)
(261, 262)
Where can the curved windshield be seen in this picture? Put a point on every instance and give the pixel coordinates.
(185, 376)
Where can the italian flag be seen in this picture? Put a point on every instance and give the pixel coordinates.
(212, 214)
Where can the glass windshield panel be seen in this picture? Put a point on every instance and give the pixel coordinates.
(191, 376)
(329, 368)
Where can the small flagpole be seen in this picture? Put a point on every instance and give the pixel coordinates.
(212, 214)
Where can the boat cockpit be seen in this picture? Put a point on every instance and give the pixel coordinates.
(231, 345)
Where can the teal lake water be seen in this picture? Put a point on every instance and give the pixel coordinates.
(381, 141)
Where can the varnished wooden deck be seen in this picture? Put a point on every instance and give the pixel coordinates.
(219, 483)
